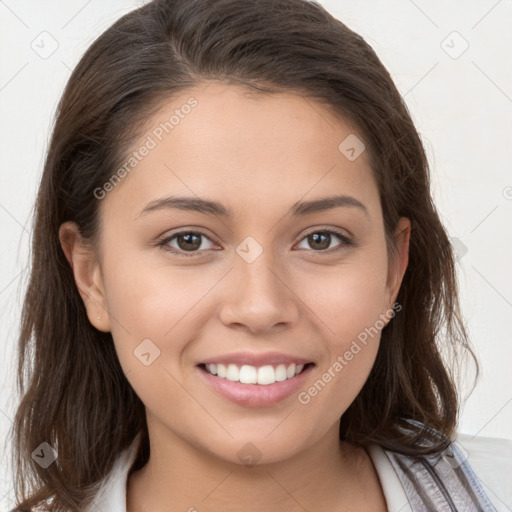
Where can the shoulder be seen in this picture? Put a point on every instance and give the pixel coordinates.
(473, 473)
(491, 461)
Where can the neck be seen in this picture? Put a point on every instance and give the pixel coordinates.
(178, 476)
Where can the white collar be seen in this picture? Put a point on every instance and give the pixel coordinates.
(111, 496)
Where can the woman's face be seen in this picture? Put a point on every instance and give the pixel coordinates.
(214, 250)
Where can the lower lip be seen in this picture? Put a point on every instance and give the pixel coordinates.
(255, 395)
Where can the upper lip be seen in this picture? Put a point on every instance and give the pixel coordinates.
(255, 359)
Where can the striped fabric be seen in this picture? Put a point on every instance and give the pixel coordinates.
(443, 483)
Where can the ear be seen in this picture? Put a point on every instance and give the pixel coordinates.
(398, 262)
(87, 273)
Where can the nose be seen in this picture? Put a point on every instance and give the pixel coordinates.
(259, 297)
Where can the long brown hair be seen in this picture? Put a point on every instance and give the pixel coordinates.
(74, 395)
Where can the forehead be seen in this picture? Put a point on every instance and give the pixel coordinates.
(248, 149)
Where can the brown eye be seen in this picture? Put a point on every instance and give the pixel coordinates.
(321, 240)
(184, 242)
(189, 241)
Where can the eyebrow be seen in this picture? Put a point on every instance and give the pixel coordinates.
(208, 207)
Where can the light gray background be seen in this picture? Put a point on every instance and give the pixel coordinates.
(461, 102)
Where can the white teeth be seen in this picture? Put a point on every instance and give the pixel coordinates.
(233, 373)
(247, 374)
(221, 370)
(212, 368)
(266, 375)
(281, 373)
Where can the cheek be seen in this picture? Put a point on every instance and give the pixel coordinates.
(351, 306)
(350, 354)
(154, 302)
(348, 298)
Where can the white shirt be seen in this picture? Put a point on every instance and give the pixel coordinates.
(490, 459)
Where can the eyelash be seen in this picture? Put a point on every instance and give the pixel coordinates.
(346, 242)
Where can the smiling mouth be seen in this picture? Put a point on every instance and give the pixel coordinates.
(262, 375)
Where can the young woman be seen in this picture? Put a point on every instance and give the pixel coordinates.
(241, 290)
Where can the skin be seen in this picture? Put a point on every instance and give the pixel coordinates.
(257, 154)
